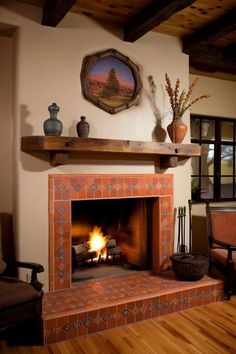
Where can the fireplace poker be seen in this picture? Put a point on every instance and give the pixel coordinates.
(184, 216)
(190, 225)
(178, 244)
(182, 248)
(181, 229)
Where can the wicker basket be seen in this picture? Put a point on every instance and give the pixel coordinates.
(189, 266)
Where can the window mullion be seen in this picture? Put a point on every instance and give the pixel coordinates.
(217, 160)
(233, 172)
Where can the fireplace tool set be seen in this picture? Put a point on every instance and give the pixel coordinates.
(181, 246)
(186, 265)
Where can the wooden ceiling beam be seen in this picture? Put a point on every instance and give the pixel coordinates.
(231, 49)
(207, 67)
(205, 56)
(55, 10)
(212, 59)
(152, 16)
(210, 32)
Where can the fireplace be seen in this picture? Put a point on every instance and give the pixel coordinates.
(111, 236)
(146, 202)
(77, 309)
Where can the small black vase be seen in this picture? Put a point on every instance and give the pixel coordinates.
(82, 128)
(53, 126)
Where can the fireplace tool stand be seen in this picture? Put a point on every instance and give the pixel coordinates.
(186, 265)
(181, 246)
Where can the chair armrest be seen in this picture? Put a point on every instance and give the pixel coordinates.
(223, 244)
(38, 268)
(229, 248)
(35, 269)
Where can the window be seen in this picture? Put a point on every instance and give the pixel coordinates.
(214, 173)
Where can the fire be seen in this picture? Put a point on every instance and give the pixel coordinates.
(97, 241)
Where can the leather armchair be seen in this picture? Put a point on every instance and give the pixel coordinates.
(20, 301)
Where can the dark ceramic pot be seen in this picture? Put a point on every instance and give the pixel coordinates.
(82, 128)
(53, 126)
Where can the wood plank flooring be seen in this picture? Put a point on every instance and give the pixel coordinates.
(210, 329)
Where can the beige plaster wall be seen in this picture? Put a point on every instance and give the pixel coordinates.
(221, 103)
(6, 124)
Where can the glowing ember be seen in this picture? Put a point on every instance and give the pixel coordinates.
(97, 241)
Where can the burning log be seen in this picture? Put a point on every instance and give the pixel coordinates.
(105, 250)
(113, 251)
(81, 254)
(81, 248)
(110, 243)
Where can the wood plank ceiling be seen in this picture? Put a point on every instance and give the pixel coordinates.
(207, 27)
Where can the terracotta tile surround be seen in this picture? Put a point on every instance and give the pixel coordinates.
(71, 310)
(65, 188)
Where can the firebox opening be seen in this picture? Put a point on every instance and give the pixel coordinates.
(111, 237)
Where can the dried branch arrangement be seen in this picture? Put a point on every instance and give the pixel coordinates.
(181, 102)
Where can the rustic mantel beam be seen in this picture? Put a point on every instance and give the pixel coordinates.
(60, 147)
(55, 10)
(63, 143)
(152, 16)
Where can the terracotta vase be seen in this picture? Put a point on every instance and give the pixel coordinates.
(177, 130)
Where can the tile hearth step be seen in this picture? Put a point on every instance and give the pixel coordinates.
(95, 305)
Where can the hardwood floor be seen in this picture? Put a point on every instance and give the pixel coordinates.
(210, 329)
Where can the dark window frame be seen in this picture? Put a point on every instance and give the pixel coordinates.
(218, 143)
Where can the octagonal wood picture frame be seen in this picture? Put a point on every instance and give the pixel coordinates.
(110, 80)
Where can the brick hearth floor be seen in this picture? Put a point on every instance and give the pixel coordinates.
(95, 305)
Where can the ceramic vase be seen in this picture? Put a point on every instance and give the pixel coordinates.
(177, 130)
(82, 127)
(53, 126)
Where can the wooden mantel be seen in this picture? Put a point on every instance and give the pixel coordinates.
(59, 148)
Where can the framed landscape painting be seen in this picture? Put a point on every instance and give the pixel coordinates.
(110, 80)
